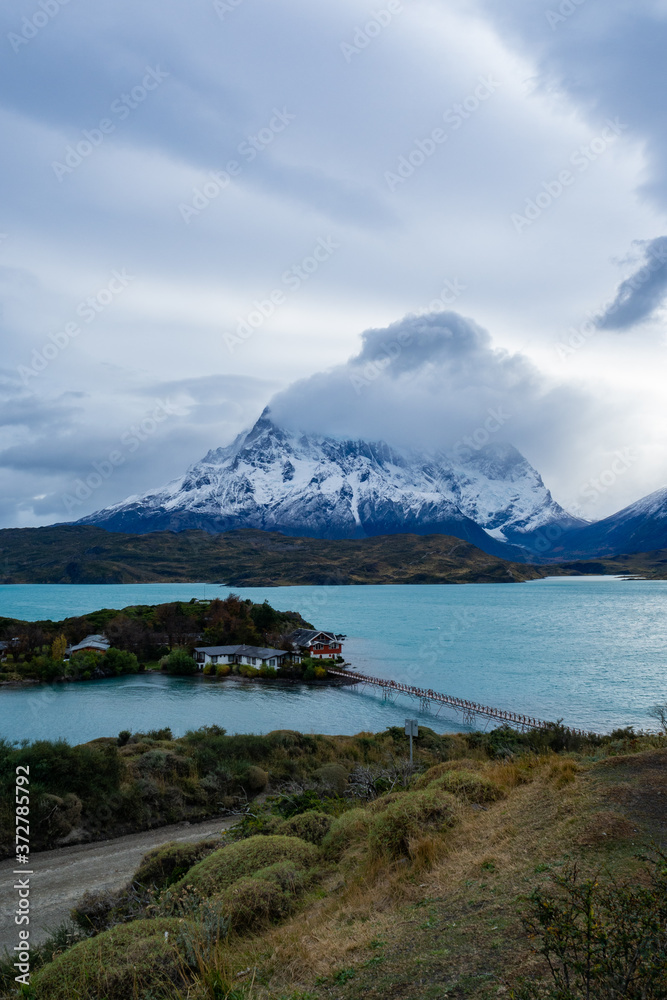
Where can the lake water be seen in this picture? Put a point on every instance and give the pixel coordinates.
(590, 650)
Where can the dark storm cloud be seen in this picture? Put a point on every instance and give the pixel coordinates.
(640, 295)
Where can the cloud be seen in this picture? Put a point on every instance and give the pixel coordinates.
(124, 439)
(430, 381)
(640, 295)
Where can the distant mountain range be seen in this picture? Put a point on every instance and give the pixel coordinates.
(307, 485)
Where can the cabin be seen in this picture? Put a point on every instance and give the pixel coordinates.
(91, 644)
(253, 656)
(312, 642)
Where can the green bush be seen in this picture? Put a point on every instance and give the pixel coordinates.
(167, 864)
(290, 877)
(347, 829)
(252, 901)
(468, 785)
(120, 661)
(312, 826)
(221, 869)
(127, 961)
(407, 817)
(332, 777)
(179, 663)
(255, 779)
(269, 894)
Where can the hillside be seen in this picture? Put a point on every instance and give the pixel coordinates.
(87, 554)
(359, 876)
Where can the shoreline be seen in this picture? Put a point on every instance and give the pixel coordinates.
(199, 676)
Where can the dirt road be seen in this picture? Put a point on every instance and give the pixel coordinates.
(62, 876)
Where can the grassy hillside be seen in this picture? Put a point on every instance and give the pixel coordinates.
(361, 878)
(84, 554)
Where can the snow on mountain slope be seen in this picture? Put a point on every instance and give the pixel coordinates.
(279, 480)
(640, 527)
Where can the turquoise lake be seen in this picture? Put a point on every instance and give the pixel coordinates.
(592, 651)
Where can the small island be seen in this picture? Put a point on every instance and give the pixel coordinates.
(213, 639)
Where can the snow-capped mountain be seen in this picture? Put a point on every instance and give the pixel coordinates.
(305, 484)
(641, 527)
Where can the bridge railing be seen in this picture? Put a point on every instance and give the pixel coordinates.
(460, 704)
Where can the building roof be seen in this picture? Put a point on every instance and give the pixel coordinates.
(303, 636)
(260, 652)
(95, 642)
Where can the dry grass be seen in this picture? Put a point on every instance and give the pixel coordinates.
(448, 922)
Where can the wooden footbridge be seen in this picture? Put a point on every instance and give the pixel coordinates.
(470, 711)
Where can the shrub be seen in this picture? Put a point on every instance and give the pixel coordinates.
(345, 830)
(123, 737)
(255, 779)
(209, 668)
(602, 939)
(288, 876)
(252, 901)
(165, 865)
(124, 962)
(332, 777)
(269, 894)
(160, 734)
(121, 662)
(468, 785)
(223, 670)
(162, 762)
(179, 663)
(246, 857)
(267, 672)
(312, 826)
(395, 830)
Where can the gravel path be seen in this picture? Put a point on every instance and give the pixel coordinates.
(62, 876)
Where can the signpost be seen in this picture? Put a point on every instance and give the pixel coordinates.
(411, 729)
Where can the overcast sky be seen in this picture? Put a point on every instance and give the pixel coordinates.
(205, 203)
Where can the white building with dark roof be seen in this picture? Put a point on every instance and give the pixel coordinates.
(253, 656)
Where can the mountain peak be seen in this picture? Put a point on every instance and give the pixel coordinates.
(300, 483)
